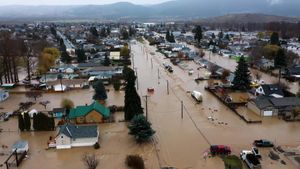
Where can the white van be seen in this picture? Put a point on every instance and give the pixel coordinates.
(197, 96)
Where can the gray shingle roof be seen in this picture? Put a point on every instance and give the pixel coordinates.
(262, 102)
(286, 101)
(74, 131)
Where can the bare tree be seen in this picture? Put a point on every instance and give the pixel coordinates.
(90, 161)
(34, 94)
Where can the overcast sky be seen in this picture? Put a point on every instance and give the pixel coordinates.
(73, 2)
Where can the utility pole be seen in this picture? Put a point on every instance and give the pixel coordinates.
(146, 101)
(181, 109)
(137, 78)
(158, 75)
(168, 87)
(151, 63)
(133, 60)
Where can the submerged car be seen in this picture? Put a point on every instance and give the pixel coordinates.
(197, 96)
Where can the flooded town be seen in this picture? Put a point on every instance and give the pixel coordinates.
(154, 94)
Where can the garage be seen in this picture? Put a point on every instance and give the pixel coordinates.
(268, 113)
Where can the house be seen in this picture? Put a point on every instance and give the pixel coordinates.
(264, 64)
(64, 84)
(70, 135)
(293, 72)
(58, 112)
(269, 106)
(103, 72)
(63, 69)
(94, 113)
(3, 95)
(20, 146)
(114, 56)
(271, 90)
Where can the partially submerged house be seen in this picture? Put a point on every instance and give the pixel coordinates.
(269, 106)
(64, 84)
(70, 135)
(272, 90)
(94, 113)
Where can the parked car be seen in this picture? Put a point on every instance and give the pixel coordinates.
(220, 149)
(250, 159)
(255, 151)
(191, 72)
(263, 143)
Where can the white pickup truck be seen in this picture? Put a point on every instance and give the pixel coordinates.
(250, 159)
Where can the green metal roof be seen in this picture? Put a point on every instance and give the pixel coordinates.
(81, 111)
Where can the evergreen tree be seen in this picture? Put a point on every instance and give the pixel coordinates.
(35, 122)
(125, 34)
(65, 57)
(100, 91)
(274, 38)
(131, 31)
(52, 123)
(27, 121)
(53, 31)
(94, 31)
(280, 59)
(241, 80)
(132, 99)
(198, 33)
(221, 35)
(213, 36)
(80, 55)
(108, 31)
(168, 36)
(42, 122)
(21, 122)
(140, 128)
(172, 38)
(106, 61)
(227, 37)
(103, 33)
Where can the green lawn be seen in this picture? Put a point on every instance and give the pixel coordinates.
(232, 162)
(237, 58)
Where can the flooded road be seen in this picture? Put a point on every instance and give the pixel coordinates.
(180, 141)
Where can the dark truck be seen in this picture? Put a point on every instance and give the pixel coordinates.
(220, 150)
(263, 143)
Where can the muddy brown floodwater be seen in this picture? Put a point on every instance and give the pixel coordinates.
(179, 141)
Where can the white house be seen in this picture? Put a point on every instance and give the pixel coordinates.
(114, 56)
(70, 135)
(3, 95)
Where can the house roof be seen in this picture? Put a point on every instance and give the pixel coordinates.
(74, 131)
(80, 111)
(58, 110)
(262, 102)
(67, 82)
(270, 89)
(286, 101)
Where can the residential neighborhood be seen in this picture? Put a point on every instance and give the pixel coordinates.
(154, 94)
